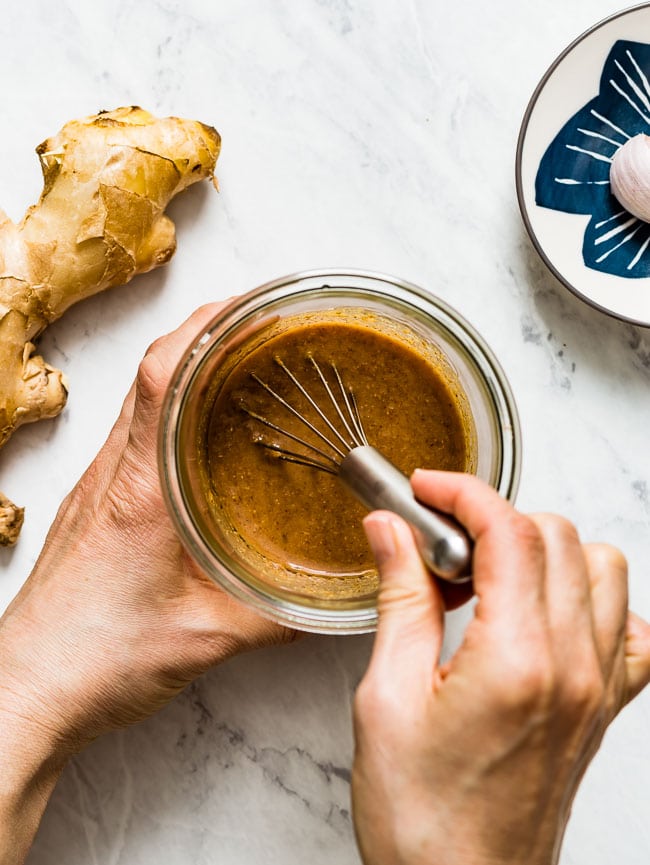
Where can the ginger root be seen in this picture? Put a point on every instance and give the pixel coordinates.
(99, 222)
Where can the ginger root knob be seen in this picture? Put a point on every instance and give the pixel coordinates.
(100, 220)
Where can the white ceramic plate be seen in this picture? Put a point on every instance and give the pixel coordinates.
(593, 98)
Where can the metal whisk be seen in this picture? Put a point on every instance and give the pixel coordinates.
(373, 479)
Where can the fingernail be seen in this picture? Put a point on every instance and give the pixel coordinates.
(425, 473)
(380, 531)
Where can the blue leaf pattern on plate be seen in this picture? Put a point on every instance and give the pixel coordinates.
(573, 175)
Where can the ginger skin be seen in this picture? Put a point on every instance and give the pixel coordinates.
(99, 222)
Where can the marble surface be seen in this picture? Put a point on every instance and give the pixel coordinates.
(364, 133)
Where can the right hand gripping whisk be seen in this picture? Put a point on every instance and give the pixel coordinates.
(373, 479)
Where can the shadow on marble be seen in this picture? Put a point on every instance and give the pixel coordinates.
(257, 749)
(185, 209)
(253, 758)
(609, 346)
(6, 556)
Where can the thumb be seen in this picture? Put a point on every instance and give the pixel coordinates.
(154, 375)
(159, 363)
(410, 606)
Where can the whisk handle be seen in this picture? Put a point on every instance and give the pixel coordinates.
(378, 484)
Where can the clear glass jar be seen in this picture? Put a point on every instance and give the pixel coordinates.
(477, 372)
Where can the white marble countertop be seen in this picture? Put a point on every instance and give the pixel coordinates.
(362, 133)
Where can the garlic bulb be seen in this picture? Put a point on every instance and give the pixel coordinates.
(629, 176)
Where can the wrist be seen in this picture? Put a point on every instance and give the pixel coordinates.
(33, 742)
(425, 836)
(35, 710)
(30, 765)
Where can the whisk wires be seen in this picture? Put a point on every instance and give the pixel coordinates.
(345, 407)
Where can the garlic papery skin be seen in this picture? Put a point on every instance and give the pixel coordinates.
(629, 176)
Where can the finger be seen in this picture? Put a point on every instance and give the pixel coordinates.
(170, 347)
(235, 628)
(99, 474)
(637, 656)
(410, 608)
(119, 434)
(607, 571)
(156, 369)
(163, 356)
(220, 627)
(509, 556)
(474, 503)
(568, 596)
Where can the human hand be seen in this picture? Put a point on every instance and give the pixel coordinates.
(477, 761)
(115, 619)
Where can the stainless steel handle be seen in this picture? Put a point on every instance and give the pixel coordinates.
(378, 484)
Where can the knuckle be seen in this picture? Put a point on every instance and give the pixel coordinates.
(77, 502)
(553, 522)
(528, 686)
(131, 501)
(564, 530)
(150, 380)
(585, 693)
(365, 701)
(360, 712)
(375, 699)
(526, 533)
(157, 346)
(394, 595)
(557, 530)
(608, 558)
(119, 505)
(137, 486)
(614, 697)
(89, 487)
(206, 310)
(535, 687)
(538, 684)
(556, 525)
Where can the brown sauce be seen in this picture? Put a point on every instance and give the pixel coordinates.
(298, 517)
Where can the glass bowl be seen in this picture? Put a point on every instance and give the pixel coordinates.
(217, 550)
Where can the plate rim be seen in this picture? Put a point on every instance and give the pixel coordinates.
(523, 129)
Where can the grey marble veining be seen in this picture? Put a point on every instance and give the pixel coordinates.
(362, 133)
(248, 765)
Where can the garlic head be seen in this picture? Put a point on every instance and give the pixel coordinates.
(629, 176)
